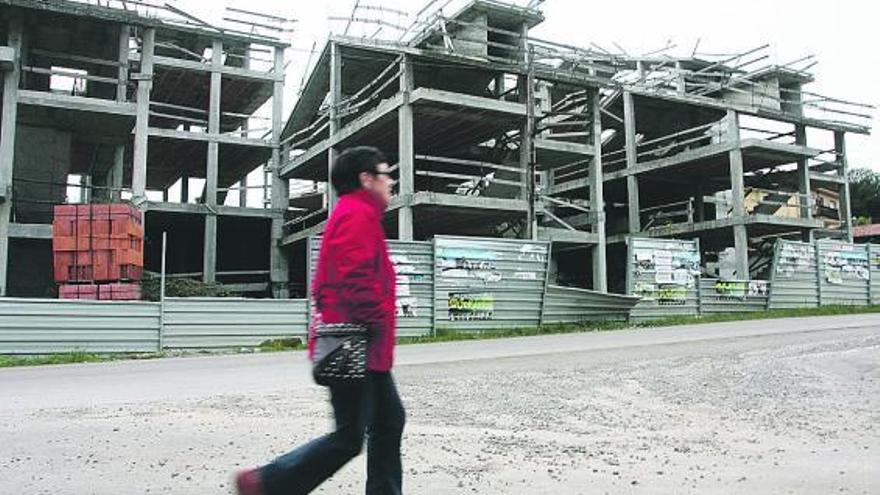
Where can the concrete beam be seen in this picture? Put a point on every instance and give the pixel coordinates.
(566, 235)
(30, 231)
(474, 202)
(80, 103)
(141, 136)
(564, 146)
(303, 234)
(207, 137)
(221, 210)
(430, 95)
(722, 223)
(679, 159)
(225, 71)
(7, 58)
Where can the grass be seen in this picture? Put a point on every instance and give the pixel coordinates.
(450, 335)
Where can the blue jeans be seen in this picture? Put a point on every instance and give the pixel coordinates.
(372, 408)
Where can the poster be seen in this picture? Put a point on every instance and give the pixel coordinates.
(731, 289)
(671, 295)
(406, 307)
(533, 252)
(759, 288)
(464, 306)
(645, 290)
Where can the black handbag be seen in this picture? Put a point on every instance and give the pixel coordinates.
(340, 356)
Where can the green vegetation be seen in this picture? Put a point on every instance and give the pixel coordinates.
(864, 190)
(449, 335)
(182, 287)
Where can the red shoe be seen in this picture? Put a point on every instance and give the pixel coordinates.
(248, 482)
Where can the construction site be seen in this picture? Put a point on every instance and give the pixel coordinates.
(492, 132)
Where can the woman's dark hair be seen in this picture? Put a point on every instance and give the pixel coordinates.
(350, 163)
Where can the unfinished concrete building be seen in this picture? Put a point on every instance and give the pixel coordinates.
(471, 107)
(492, 133)
(132, 99)
(718, 151)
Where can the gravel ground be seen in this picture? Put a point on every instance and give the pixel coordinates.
(793, 413)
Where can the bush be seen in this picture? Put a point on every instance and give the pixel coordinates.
(182, 287)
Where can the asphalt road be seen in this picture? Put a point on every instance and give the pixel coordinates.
(774, 406)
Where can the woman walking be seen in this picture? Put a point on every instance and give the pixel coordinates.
(354, 283)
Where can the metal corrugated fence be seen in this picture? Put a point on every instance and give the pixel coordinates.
(414, 264)
(202, 323)
(874, 257)
(665, 273)
(43, 326)
(733, 296)
(844, 273)
(485, 283)
(825, 273)
(573, 305)
(795, 276)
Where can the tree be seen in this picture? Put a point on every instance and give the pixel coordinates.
(864, 191)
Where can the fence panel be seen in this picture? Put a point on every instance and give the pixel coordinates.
(485, 283)
(844, 273)
(44, 326)
(794, 282)
(414, 265)
(665, 274)
(221, 322)
(874, 257)
(572, 305)
(733, 296)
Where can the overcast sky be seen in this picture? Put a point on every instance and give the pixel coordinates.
(843, 36)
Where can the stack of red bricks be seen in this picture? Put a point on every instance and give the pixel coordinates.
(98, 251)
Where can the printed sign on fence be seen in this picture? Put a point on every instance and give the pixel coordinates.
(471, 306)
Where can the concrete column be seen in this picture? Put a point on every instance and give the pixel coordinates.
(843, 172)
(122, 75)
(184, 188)
(804, 187)
(209, 269)
(700, 203)
(141, 128)
(279, 271)
(115, 174)
(740, 235)
(680, 85)
(86, 195)
(335, 98)
(632, 182)
(597, 199)
(405, 152)
(526, 148)
(243, 192)
(7, 146)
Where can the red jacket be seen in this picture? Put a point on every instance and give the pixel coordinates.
(355, 280)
